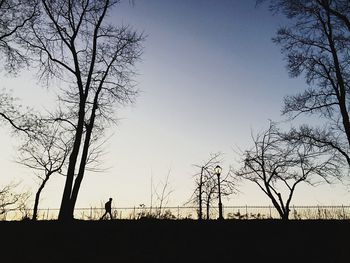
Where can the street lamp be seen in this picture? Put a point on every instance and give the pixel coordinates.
(217, 171)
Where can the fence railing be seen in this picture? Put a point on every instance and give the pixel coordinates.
(186, 212)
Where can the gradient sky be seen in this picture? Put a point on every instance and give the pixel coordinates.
(209, 75)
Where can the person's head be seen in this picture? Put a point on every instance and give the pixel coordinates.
(110, 199)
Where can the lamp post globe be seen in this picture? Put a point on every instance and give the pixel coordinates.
(218, 171)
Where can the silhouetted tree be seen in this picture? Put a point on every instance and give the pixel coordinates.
(44, 143)
(162, 195)
(228, 186)
(277, 165)
(11, 199)
(316, 44)
(206, 190)
(46, 154)
(209, 189)
(94, 60)
(202, 185)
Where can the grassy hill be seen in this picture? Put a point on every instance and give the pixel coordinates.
(176, 241)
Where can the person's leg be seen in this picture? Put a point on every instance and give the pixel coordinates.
(103, 215)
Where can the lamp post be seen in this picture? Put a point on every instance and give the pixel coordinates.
(218, 170)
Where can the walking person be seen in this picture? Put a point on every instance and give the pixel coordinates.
(108, 208)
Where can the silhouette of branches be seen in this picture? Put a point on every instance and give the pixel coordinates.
(15, 17)
(162, 193)
(277, 165)
(72, 43)
(11, 199)
(206, 190)
(316, 45)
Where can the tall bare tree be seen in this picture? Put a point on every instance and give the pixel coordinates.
(277, 165)
(316, 44)
(94, 61)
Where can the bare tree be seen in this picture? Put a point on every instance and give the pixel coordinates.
(46, 154)
(94, 62)
(277, 165)
(203, 186)
(10, 199)
(162, 196)
(206, 190)
(44, 143)
(228, 186)
(36, 150)
(317, 45)
(15, 15)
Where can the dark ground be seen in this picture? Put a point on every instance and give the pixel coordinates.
(176, 241)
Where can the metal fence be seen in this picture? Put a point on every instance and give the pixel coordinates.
(184, 212)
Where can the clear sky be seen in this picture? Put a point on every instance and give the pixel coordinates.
(209, 75)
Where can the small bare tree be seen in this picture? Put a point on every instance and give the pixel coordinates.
(10, 199)
(162, 196)
(206, 190)
(228, 186)
(204, 187)
(277, 165)
(46, 154)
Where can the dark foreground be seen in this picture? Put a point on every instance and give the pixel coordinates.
(176, 241)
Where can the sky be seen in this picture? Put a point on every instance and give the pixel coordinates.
(209, 76)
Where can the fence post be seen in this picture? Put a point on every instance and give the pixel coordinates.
(343, 211)
(246, 211)
(178, 212)
(270, 211)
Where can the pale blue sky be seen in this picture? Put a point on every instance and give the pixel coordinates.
(209, 75)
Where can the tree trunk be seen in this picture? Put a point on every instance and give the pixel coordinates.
(208, 206)
(200, 212)
(274, 201)
(37, 196)
(81, 173)
(342, 89)
(65, 209)
(84, 157)
(285, 216)
(208, 209)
